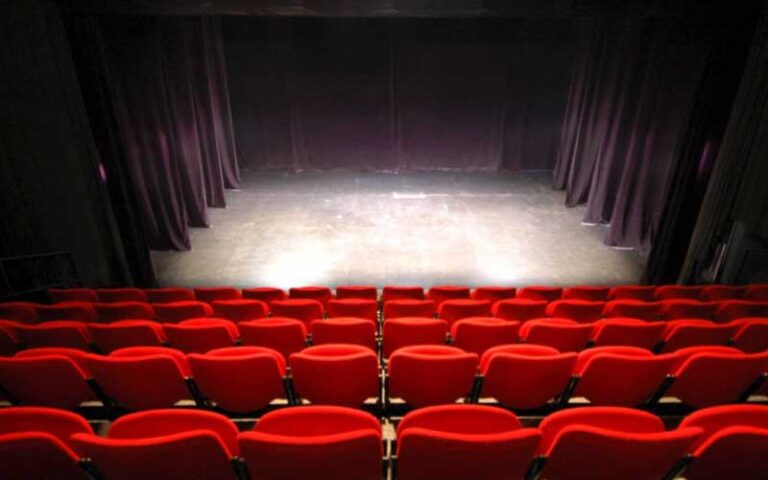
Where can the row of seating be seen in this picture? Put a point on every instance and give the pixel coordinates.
(248, 379)
(446, 442)
(474, 334)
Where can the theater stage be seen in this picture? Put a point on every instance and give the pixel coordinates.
(332, 228)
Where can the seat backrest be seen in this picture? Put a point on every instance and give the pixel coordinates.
(547, 294)
(407, 331)
(681, 334)
(409, 308)
(519, 309)
(126, 333)
(59, 423)
(728, 310)
(591, 294)
(723, 292)
(478, 334)
(50, 380)
(304, 309)
(441, 293)
(72, 295)
(113, 295)
(356, 331)
(644, 293)
(756, 293)
(57, 333)
(78, 356)
(210, 294)
(111, 312)
(198, 338)
(286, 335)
(241, 309)
(626, 331)
(168, 295)
(560, 333)
(265, 294)
(24, 312)
(633, 309)
(453, 310)
(364, 292)
(581, 311)
(175, 312)
(353, 307)
(752, 335)
(321, 294)
(666, 292)
(493, 293)
(391, 292)
(673, 309)
(79, 311)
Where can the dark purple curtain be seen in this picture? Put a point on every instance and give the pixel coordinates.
(631, 93)
(398, 94)
(168, 87)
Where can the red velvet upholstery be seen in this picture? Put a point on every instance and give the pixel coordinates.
(457, 442)
(353, 307)
(116, 295)
(679, 334)
(752, 335)
(35, 444)
(453, 310)
(734, 309)
(560, 333)
(78, 356)
(168, 295)
(299, 443)
(722, 292)
(321, 294)
(80, 311)
(519, 309)
(178, 355)
(201, 335)
(608, 443)
(363, 292)
(547, 294)
(402, 293)
(8, 342)
(175, 312)
(211, 294)
(633, 309)
(24, 312)
(408, 331)
(286, 335)
(126, 333)
(302, 309)
(265, 294)
(336, 374)
(355, 331)
(431, 374)
(112, 312)
(581, 311)
(591, 294)
(478, 334)
(757, 293)
(643, 293)
(493, 293)
(667, 292)
(58, 295)
(57, 333)
(409, 308)
(683, 308)
(734, 444)
(240, 379)
(627, 331)
(241, 309)
(441, 293)
(525, 376)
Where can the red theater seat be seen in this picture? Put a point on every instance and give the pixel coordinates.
(168, 295)
(35, 444)
(199, 335)
(409, 308)
(679, 334)
(581, 311)
(79, 311)
(211, 294)
(493, 294)
(627, 332)
(425, 375)
(285, 335)
(57, 333)
(240, 379)
(175, 312)
(668, 292)
(519, 309)
(58, 295)
(441, 293)
(752, 335)
(402, 293)
(478, 334)
(546, 294)
(265, 294)
(457, 442)
(126, 333)
(353, 307)
(112, 312)
(525, 376)
(722, 292)
(453, 310)
(164, 444)
(321, 294)
(363, 292)
(561, 334)
(643, 293)
(633, 309)
(756, 293)
(734, 309)
(734, 444)
(681, 308)
(241, 309)
(608, 443)
(8, 342)
(302, 309)
(407, 331)
(590, 294)
(355, 331)
(299, 443)
(24, 312)
(336, 374)
(115, 295)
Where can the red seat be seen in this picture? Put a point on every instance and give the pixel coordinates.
(302, 309)
(493, 293)
(681, 308)
(752, 335)
(734, 309)
(590, 294)
(643, 293)
(363, 292)
(633, 309)
(353, 307)
(478, 334)
(126, 333)
(200, 335)
(622, 376)
(519, 309)
(58, 333)
(315, 441)
(756, 293)
(525, 376)
(706, 376)
(241, 309)
(457, 442)
(286, 335)
(608, 443)
(51, 377)
(431, 374)
(402, 293)
(164, 444)
(265, 294)
(175, 312)
(453, 310)
(546, 294)
(722, 292)
(112, 312)
(407, 331)
(627, 332)
(211, 294)
(118, 295)
(35, 444)
(79, 311)
(8, 342)
(561, 334)
(679, 334)
(355, 331)
(125, 376)
(668, 292)
(168, 295)
(321, 294)
(239, 379)
(24, 312)
(734, 444)
(336, 374)
(581, 311)
(78, 356)
(58, 295)
(441, 293)
(409, 308)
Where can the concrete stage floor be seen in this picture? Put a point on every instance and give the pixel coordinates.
(336, 228)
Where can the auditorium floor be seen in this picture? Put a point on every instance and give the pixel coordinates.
(335, 228)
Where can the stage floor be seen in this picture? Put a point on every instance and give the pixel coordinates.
(336, 228)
